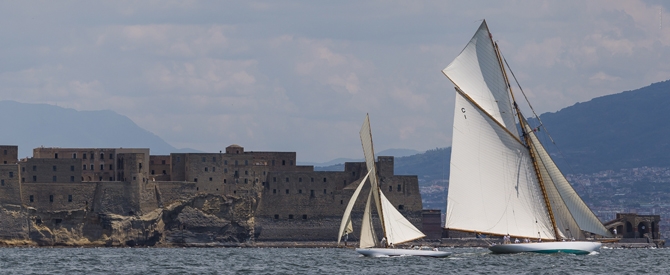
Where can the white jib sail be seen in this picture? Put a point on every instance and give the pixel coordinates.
(578, 210)
(477, 72)
(368, 236)
(492, 184)
(345, 225)
(369, 152)
(398, 228)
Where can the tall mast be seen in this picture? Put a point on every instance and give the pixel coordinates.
(379, 190)
(526, 137)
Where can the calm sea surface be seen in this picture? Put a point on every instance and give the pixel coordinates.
(319, 261)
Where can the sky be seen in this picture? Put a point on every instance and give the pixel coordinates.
(301, 75)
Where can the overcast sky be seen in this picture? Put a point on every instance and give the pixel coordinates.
(301, 75)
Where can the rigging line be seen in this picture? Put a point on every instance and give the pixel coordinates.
(527, 101)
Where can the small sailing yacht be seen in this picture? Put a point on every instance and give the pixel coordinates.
(502, 180)
(395, 227)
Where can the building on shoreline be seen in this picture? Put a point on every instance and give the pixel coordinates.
(289, 202)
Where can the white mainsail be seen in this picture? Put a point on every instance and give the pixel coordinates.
(492, 185)
(346, 225)
(498, 182)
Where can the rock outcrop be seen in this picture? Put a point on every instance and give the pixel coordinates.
(201, 220)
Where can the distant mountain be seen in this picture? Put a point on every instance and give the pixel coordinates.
(625, 130)
(34, 125)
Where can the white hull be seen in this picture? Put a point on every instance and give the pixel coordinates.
(548, 247)
(389, 252)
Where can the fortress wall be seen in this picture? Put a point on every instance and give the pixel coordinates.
(10, 188)
(9, 154)
(51, 170)
(159, 168)
(58, 196)
(113, 198)
(171, 191)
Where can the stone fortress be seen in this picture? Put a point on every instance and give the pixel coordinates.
(125, 196)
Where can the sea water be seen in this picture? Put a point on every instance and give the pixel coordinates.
(320, 261)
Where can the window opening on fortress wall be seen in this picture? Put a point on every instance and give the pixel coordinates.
(111, 167)
(34, 178)
(111, 179)
(34, 167)
(72, 178)
(23, 169)
(102, 155)
(213, 159)
(274, 179)
(390, 188)
(83, 156)
(69, 198)
(286, 179)
(304, 217)
(206, 169)
(100, 179)
(246, 162)
(58, 221)
(74, 155)
(324, 179)
(324, 191)
(2, 182)
(92, 156)
(353, 173)
(225, 162)
(286, 191)
(341, 202)
(225, 170)
(11, 174)
(54, 167)
(204, 159)
(290, 217)
(195, 179)
(224, 180)
(51, 198)
(299, 179)
(401, 207)
(299, 191)
(84, 168)
(276, 217)
(273, 162)
(210, 178)
(178, 159)
(312, 179)
(71, 167)
(162, 161)
(283, 162)
(235, 192)
(345, 182)
(246, 172)
(140, 166)
(56, 155)
(32, 198)
(102, 167)
(245, 180)
(213, 169)
(274, 191)
(399, 187)
(235, 162)
(92, 167)
(311, 193)
(53, 179)
(23, 179)
(152, 172)
(164, 172)
(111, 156)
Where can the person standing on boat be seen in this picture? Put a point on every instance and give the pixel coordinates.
(383, 242)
